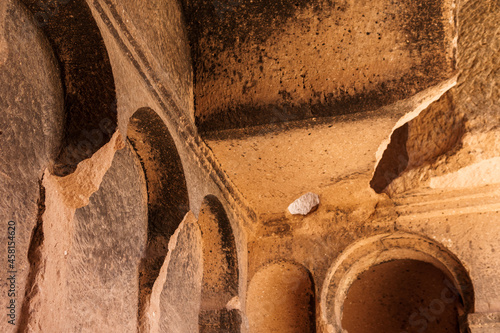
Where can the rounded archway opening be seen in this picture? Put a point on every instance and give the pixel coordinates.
(281, 299)
(220, 270)
(167, 193)
(90, 102)
(388, 254)
(402, 296)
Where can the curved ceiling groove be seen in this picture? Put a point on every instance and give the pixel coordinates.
(90, 101)
(168, 200)
(220, 269)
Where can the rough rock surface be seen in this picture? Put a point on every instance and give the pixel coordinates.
(4, 50)
(456, 140)
(31, 122)
(305, 204)
(260, 62)
(314, 74)
(220, 270)
(52, 238)
(159, 26)
(109, 241)
(181, 292)
(398, 283)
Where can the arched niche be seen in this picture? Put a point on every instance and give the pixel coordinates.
(168, 200)
(281, 298)
(220, 269)
(89, 89)
(402, 296)
(401, 248)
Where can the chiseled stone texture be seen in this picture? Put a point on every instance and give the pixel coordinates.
(456, 141)
(484, 323)
(281, 299)
(260, 62)
(31, 104)
(109, 240)
(158, 28)
(478, 88)
(181, 295)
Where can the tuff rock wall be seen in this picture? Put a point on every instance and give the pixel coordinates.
(127, 219)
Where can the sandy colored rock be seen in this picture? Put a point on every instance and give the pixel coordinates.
(31, 127)
(280, 299)
(110, 236)
(228, 111)
(181, 292)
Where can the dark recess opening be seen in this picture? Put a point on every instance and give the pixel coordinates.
(402, 296)
(220, 269)
(168, 200)
(87, 77)
(394, 160)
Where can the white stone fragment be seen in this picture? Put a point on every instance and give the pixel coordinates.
(305, 204)
(234, 304)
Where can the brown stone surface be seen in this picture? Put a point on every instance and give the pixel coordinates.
(398, 136)
(466, 222)
(86, 74)
(459, 134)
(4, 50)
(167, 195)
(110, 236)
(220, 270)
(159, 27)
(281, 299)
(181, 293)
(31, 123)
(484, 323)
(277, 157)
(388, 298)
(47, 284)
(259, 62)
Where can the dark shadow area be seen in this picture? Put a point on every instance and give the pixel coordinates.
(89, 89)
(394, 160)
(403, 296)
(220, 269)
(168, 200)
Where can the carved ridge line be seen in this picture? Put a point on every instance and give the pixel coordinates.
(164, 97)
(449, 212)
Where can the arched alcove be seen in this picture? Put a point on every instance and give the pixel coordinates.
(220, 269)
(281, 298)
(402, 296)
(89, 89)
(386, 259)
(168, 200)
